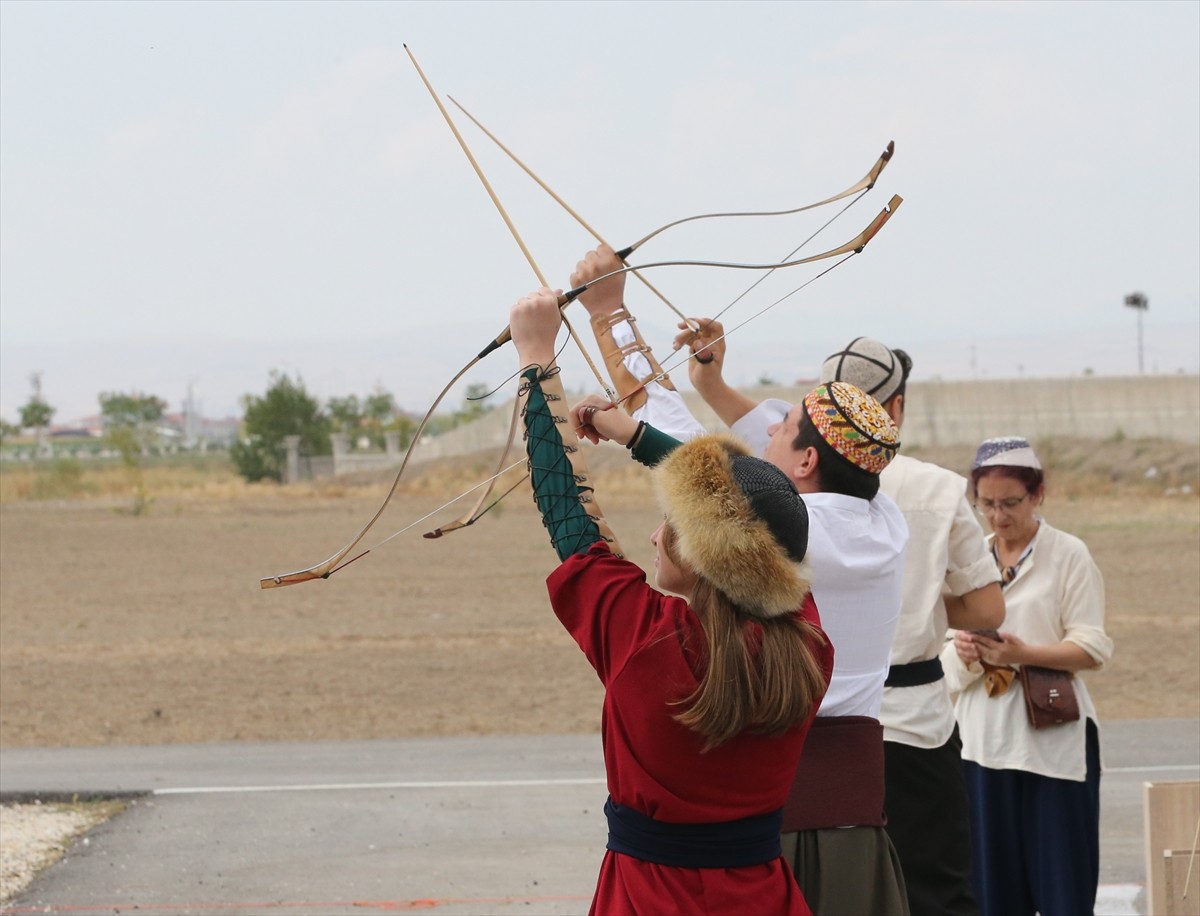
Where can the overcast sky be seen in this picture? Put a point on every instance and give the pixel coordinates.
(198, 193)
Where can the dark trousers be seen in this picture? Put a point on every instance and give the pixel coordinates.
(1036, 839)
(847, 871)
(929, 824)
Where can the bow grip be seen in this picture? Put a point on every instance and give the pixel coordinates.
(506, 335)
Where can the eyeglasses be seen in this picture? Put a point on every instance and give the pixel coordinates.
(984, 506)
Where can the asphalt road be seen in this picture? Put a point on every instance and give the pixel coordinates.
(491, 825)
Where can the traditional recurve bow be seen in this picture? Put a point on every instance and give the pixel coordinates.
(849, 250)
(339, 559)
(866, 183)
(329, 566)
(863, 185)
(473, 515)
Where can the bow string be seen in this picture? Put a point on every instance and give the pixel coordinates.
(339, 559)
(473, 514)
(863, 185)
(849, 249)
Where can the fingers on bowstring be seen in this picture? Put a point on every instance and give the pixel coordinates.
(585, 414)
(694, 334)
(686, 335)
(582, 415)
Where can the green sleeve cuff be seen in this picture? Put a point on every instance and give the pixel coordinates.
(555, 489)
(652, 446)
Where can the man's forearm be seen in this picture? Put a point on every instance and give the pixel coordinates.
(727, 402)
(981, 608)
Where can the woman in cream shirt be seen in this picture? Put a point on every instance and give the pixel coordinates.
(1035, 794)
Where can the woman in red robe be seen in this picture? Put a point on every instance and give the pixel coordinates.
(708, 696)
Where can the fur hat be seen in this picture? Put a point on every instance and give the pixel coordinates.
(738, 522)
(869, 365)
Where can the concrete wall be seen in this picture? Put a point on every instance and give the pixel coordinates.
(967, 412)
(939, 413)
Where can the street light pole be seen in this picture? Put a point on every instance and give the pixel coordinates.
(1140, 304)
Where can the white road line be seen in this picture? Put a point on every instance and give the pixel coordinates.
(502, 783)
(346, 786)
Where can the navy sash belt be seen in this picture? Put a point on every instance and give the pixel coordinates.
(914, 674)
(728, 844)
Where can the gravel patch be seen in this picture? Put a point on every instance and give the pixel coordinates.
(35, 836)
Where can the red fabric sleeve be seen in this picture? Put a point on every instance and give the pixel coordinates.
(608, 607)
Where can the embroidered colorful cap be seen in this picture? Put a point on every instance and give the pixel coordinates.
(869, 365)
(1006, 451)
(854, 424)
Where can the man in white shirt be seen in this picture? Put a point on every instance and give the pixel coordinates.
(950, 580)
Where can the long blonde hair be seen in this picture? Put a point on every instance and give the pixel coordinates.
(759, 674)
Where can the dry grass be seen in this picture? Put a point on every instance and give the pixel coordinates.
(1075, 468)
(117, 629)
(211, 478)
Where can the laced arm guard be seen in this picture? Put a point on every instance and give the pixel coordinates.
(561, 484)
(631, 388)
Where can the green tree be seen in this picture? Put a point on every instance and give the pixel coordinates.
(137, 412)
(36, 413)
(405, 425)
(380, 415)
(131, 427)
(380, 407)
(286, 409)
(345, 414)
(474, 403)
(8, 431)
(372, 416)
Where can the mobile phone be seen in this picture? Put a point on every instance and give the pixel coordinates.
(989, 633)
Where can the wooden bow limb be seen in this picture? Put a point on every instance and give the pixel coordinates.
(470, 517)
(571, 210)
(749, 289)
(861, 188)
(854, 246)
(850, 249)
(338, 560)
(864, 184)
(477, 513)
(335, 562)
(433, 512)
(504, 215)
(327, 568)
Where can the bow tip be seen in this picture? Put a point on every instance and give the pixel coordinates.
(435, 533)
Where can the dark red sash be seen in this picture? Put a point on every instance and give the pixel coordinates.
(839, 782)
